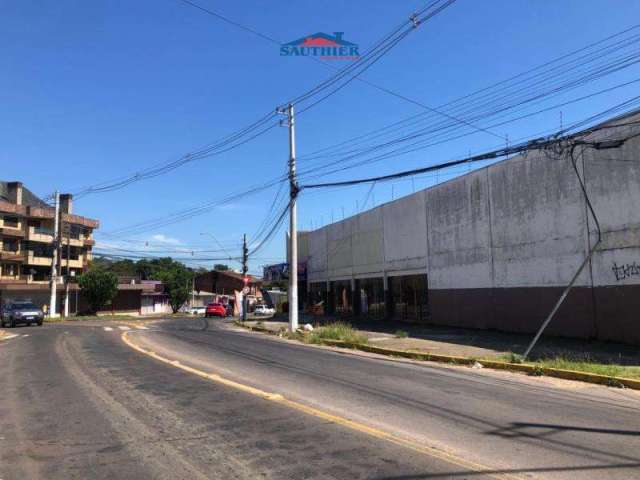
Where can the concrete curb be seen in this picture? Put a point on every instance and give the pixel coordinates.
(534, 370)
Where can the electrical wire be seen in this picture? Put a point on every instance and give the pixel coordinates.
(536, 144)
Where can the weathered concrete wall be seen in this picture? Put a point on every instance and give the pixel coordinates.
(500, 244)
(317, 260)
(459, 242)
(367, 243)
(613, 184)
(405, 233)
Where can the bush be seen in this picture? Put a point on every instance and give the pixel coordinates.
(336, 331)
(401, 334)
(99, 287)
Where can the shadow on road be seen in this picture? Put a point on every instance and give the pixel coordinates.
(517, 429)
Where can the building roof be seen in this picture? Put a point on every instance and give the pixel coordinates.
(28, 197)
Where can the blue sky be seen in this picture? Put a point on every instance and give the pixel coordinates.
(96, 90)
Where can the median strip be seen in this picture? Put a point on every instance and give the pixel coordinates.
(530, 369)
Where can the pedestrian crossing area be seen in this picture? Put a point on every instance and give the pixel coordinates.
(125, 328)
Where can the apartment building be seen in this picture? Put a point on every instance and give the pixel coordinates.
(27, 243)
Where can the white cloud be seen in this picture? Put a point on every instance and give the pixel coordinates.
(161, 238)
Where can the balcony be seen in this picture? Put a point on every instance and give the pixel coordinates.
(12, 232)
(89, 242)
(9, 280)
(24, 280)
(73, 263)
(10, 256)
(32, 259)
(74, 242)
(39, 234)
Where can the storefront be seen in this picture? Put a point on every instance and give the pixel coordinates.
(409, 298)
(318, 299)
(371, 297)
(340, 298)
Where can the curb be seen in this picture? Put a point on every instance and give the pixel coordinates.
(533, 370)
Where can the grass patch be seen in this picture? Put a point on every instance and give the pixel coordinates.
(606, 369)
(336, 331)
(510, 357)
(581, 364)
(401, 334)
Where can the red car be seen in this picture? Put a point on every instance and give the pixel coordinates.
(215, 310)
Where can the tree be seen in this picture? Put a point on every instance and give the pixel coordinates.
(99, 287)
(177, 282)
(221, 267)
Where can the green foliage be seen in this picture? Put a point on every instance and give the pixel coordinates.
(538, 371)
(221, 267)
(176, 279)
(336, 331)
(99, 287)
(401, 334)
(511, 358)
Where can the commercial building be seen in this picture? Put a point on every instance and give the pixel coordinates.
(27, 243)
(225, 286)
(495, 248)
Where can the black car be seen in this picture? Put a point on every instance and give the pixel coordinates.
(21, 312)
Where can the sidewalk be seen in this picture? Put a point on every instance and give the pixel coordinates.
(485, 344)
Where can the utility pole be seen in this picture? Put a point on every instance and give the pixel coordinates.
(245, 268)
(54, 257)
(67, 277)
(293, 228)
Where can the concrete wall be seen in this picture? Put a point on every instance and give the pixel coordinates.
(499, 244)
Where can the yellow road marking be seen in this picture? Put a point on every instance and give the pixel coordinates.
(360, 427)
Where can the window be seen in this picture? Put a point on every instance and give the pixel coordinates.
(76, 231)
(9, 270)
(11, 222)
(10, 245)
(40, 249)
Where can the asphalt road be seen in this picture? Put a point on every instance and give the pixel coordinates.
(77, 402)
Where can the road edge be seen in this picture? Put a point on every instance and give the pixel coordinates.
(531, 370)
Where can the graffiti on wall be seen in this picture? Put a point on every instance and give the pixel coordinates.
(625, 271)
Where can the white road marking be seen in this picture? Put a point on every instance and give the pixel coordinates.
(10, 336)
(108, 329)
(141, 327)
(25, 335)
(122, 327)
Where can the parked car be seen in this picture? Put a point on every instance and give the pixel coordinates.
(264, 310)
(21, 312)
(197, 310)
(215, 310)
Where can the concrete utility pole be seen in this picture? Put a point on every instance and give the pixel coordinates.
(293, 228)
(245, 268)
(67, 277)
(54, 258)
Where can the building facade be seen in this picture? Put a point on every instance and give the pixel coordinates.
(27, 243)
(495, 248)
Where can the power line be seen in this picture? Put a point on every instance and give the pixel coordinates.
(416, 146)
(502, 88)
(536, 144)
